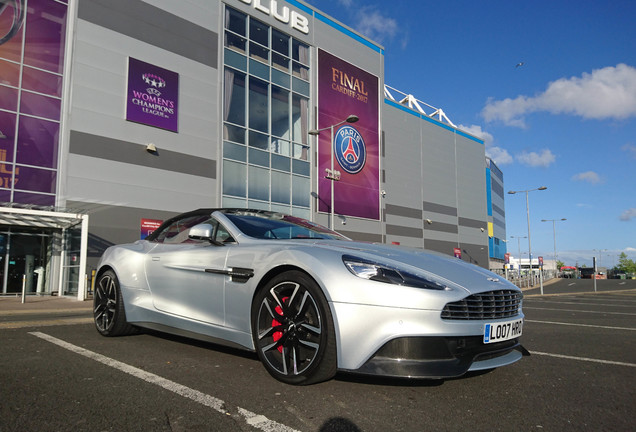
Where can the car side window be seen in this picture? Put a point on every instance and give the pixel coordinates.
(177, 232)
(221, 235)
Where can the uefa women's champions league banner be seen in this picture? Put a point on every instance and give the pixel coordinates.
(344, 90)
(153, 95)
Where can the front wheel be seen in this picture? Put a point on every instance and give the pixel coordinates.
(108, 307)
(293, 331)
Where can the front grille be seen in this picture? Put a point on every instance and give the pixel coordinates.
(486, 305)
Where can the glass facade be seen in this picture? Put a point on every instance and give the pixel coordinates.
(266, 157)
(32, 42)
(496, 212)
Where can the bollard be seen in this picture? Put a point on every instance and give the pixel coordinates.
(23, 288)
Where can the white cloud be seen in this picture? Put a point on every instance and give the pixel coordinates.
(608, 93)
(628, 214)
(477, 131)
(630, 149)
(373, 24)
(587, 176)
(534, 159)
(497, 154)
(376, 26)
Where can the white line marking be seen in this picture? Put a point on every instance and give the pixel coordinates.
(584, 303)
(579, 311)
(583, 359)
(580, 325)
(255, 420)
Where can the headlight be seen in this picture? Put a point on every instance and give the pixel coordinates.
(378, 272)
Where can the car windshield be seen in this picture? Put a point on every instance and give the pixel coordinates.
(277, 226)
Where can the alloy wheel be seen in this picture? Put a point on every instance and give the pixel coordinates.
(105, 303)
(289, 329)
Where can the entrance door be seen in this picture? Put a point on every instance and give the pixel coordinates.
(24, 260)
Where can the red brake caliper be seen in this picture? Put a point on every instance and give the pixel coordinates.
(278, 334)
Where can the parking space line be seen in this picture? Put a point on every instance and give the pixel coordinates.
(258, 421)
(609, 362)
(579, 325)
(579, 311)
(583, 303)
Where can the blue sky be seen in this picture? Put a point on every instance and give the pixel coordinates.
(564, 119)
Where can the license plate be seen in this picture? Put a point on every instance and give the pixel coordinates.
(502, 331)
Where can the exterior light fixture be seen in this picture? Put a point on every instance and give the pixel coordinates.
(554, 234)
(528, 216)
(332, 175)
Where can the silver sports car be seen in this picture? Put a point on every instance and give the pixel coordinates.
(308, 300)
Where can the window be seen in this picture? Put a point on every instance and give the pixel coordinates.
(31, 65)
(266, 116)
(177, 231)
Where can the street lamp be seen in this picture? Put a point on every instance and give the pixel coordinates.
(519, 248)
(554, 221)
(600, 256)
(528, 215)
(331, 174)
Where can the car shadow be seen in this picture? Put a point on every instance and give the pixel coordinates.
(405, 381)
(387, 381)
(186, 340)
(349, 377)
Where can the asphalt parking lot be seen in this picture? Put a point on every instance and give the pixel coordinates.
(57, 373)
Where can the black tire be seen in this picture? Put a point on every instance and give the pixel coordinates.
(293, 330)
(108, 307)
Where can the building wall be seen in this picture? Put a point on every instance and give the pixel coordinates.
(107, 162)
(435, 185)
(108, 170)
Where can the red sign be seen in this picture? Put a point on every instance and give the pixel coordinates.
(541, 261)
(148, 226)
(457, 252)
(507, 258)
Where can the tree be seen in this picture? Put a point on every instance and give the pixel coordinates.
(559, 264)
(625, 264)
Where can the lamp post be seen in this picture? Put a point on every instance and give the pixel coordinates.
(331, 174)
(600, 256)
(528, 216)
(519, 248)
(554, 221)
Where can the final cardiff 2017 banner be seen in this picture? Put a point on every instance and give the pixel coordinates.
(344, 90)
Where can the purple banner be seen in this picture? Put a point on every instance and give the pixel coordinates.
(32, 43)
(344, 90)
(153, 95)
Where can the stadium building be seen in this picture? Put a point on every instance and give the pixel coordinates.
(117, 114)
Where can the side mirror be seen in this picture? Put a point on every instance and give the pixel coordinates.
(201, 232)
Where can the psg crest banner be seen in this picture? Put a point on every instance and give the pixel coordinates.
(153, 95)
(345, 90)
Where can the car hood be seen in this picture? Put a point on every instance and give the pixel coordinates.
(455, 271)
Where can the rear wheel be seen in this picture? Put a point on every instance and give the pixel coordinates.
(108, 307)
(293, 330)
